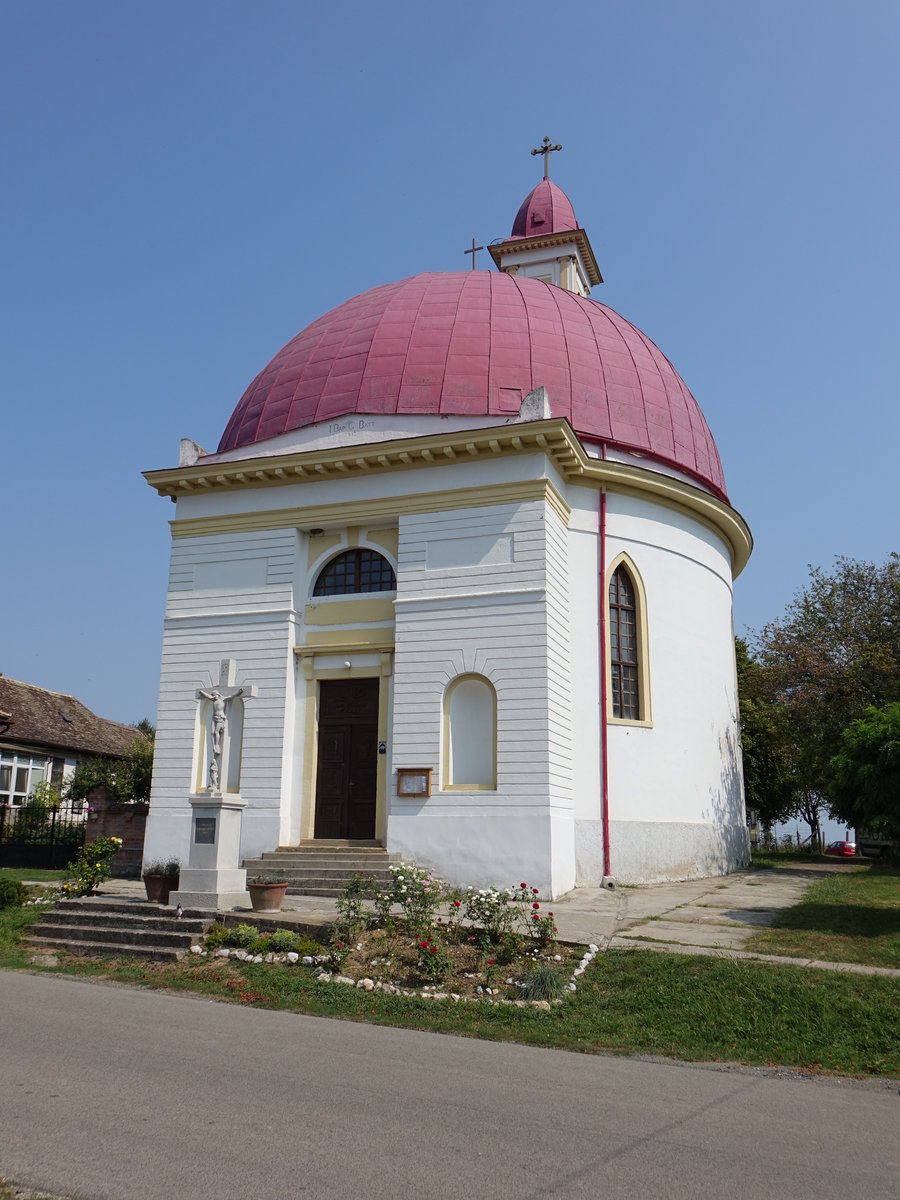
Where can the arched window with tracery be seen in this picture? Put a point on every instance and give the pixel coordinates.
(355, 572)
(623, 647)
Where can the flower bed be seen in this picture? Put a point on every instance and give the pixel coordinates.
(490, 945)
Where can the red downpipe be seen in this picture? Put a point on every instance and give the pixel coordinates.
(603, 696)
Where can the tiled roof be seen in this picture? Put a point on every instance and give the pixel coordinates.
(38, 717)
(475, 343)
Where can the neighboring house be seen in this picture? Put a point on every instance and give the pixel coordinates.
(44, 735)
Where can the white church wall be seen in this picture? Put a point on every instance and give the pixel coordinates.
(487, 617)
(205, 624)
(676, 806)
(584, 600)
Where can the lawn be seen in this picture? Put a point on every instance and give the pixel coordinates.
(629, 1002)
(39, 876)
(850, 916)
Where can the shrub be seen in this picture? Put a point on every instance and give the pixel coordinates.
(240, 937)
(491, 913)
(350, 909)
(283, 941)
(538, 925)
(170, 868)
(92, 866)
(12, 893)
(434, 961)
(215, 937)
(261, 944)
(543, 983)
(419, 893)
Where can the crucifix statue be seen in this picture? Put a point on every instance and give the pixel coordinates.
(546, 149)
(221, 695)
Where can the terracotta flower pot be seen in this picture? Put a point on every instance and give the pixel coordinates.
(158, 887)
(267, 897)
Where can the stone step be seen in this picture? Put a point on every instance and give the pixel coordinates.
(381, 858)
(122, 937)
(116, 920)
(301, 870)
(97, 925)
(97, 905)
(317, 889)
(101, 949)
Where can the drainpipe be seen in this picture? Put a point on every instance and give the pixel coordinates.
(604, 773)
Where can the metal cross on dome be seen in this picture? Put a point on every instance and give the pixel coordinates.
(473, 252)
(546, 149)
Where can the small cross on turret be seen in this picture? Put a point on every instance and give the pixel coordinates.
(546, 149)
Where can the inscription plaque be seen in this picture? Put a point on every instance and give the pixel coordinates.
(204, 831)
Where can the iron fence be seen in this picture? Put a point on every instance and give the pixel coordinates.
(32, 835)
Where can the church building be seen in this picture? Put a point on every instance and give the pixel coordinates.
(457, 582)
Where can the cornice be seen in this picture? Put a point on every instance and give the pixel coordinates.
(346, 462)
(553, 437)
(500, 250)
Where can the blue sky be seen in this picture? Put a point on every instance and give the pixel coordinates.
(187, 185)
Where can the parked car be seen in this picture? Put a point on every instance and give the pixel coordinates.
(841, 849)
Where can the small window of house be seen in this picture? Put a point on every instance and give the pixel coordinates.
(356, 571)
(470, 734)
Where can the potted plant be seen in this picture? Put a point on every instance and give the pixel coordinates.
(267, 892)
(161, 878)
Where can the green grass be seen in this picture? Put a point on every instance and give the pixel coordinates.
(23, 873)
(8, 1192)
(766, 860)
(850, 916)
(629, 1001)
(14, 925)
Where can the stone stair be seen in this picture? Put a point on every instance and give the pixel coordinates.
(120, 928)
(322, 868)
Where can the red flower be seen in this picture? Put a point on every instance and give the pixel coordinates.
(472, 938)
(524, 885)
(535, 905)
(490, 962)
(535, 891)
(535, 917)
(339, 945)
(423, 945)
(456, 903)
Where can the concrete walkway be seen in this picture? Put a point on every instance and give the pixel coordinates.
(706, 916)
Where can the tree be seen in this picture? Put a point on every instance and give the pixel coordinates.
(768, 782)
(834, 653)
(865, 783)
(128, 778)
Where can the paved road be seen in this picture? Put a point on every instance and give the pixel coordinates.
(110, 1094)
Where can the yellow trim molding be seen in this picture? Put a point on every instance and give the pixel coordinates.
(554, 437)
(312, 675)
(349, 612)
(643, 644)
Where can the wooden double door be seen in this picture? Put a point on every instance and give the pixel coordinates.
(347, 771)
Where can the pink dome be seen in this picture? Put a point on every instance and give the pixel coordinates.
(474, 343)
(546, 209)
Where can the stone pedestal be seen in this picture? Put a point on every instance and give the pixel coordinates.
(212, 878)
